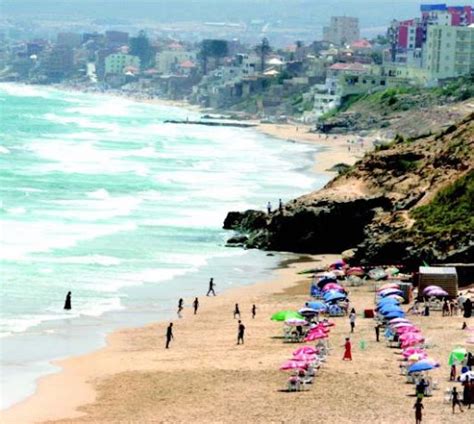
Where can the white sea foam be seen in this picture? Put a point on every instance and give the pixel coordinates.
(16, 211)
(4, 150)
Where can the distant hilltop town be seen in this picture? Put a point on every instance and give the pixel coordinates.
(303, 80)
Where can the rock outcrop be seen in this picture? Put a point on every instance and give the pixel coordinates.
(372, 206)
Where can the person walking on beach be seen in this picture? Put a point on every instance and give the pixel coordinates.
(169, 335)
(269, 208)
(67, 302)
(254, 311)
(455, 399)
(418, 411)
(352, 319)
(195, 305)
(211, 287)
(377, 332)
(180, 307)
(240, 333)
(236, 310)
(347, 350)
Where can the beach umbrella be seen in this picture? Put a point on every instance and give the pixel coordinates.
(412, 350)
(399, 320)
(333, 286)
(355, 270)
(410, 335)
(393, 270)
(396, 297)
(457, 356)
(388, 286)
(304, 357)
(284, 315)
(294, 322)
(429, 288)
(423, 365)
(293, 365)
(394, 314)
(316, 335)
(318, 306)
(333, 296)
(388, 292)
(410, 343)
(307, 350)
(417, 357)
(437, 293)
(337, 264)
(308, 312)
(404, 330)
(387, 301)
(402, 324)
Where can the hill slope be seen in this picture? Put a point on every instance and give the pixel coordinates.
(409, 202)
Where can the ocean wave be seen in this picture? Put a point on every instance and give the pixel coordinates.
(4, 150)
(90, 260)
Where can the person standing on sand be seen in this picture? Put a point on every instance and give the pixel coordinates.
(418, 411)
(240, 333)
(254, 311)
(377, 332)
(169, 335)
(196, 305)
(347, 352)
(67, 302)
(236, 310)
(211, 287)
(456, 400)
(180, 307)
(352, 319)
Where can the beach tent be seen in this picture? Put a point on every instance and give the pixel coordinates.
(284, 315)
(457, 356)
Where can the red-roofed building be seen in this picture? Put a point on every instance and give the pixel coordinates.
(361, 45)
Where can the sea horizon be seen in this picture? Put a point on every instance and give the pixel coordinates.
(102, 198)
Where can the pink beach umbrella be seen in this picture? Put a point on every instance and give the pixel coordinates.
(333, 286)
(388, 286)
(293, 365)
(411, 342)
(411, 351)
(307, 350)
(302, 357)
(437, 292)
(355, 270)
(294, 322)
(411, 336)
(405, 330)
(429, 288)
(315, 336)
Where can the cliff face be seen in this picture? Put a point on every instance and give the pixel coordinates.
(385, 206)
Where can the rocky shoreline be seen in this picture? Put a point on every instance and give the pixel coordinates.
(378, 220)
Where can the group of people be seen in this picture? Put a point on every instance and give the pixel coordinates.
(280, 206)
(211, 290)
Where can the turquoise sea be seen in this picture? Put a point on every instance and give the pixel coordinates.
(100, 197)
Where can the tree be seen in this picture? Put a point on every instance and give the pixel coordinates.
(140, 46)
(215, 49)
(262, 50)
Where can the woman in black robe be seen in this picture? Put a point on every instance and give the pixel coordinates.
(67, 302)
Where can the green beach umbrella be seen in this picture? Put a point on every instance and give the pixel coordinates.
(457, 355)
(284, 315)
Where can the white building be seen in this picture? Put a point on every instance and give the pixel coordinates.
(449, 51)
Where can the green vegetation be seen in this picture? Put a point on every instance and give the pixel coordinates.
(452, 209)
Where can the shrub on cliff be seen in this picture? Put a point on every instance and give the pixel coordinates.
(452, 209)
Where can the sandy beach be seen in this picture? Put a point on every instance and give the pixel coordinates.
(205, 377)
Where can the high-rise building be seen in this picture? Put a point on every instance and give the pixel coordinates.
(59, 63)
(449, 51)
(116, 38)
(342, 30)
(69, 39)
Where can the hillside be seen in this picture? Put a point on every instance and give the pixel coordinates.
(408, 202)
(409, 111)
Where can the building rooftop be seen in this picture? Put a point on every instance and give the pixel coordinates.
(437, 270)
(358, 67)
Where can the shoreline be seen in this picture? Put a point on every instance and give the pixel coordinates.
(78, 376)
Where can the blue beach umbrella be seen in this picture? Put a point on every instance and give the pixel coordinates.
(423, 365)
(318, 306)
(394, 314)
(333, 296)
(389, 308)
(387, 301)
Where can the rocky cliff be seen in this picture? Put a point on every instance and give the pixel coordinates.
(409, 202)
